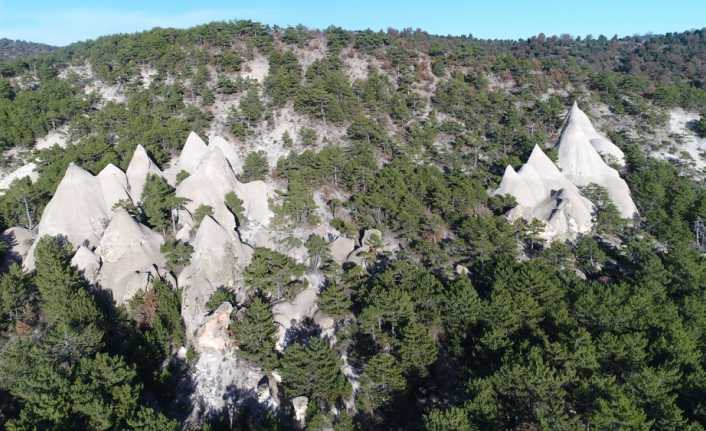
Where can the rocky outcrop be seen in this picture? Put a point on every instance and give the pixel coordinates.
(88, 263)
(19, 241)
(141, 165)
(340, 248)
(581, 163)
(77, 210)
(300, 404)
(130, 255)
(113, 183)
(221, 379)
(217, 261)
(304, 305)
(213, 336)
(604, 146)
(542, 192)
(191, 154)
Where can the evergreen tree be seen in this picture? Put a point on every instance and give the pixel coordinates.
(273, 273)
(314, 370)
(235, 206)
(334, 302)
(382, 379)
(418, 350)
(255, 167)
(255, 333)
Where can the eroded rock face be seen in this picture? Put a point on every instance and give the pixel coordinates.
(544, 193)
(77, 210)
(221, 379)
(213, 336)
(88, 263)
(604, 146)
(217, 261)
(191, 155)
(20, 242)
(113, 184)
(130, 255)
(581, 163)
(141, 165)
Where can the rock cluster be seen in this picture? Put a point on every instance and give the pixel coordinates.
(550, 193)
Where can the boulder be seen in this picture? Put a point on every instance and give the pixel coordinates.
(130, 255)
(88, 263)
(141, 165)
(304, 305)
(217, 261)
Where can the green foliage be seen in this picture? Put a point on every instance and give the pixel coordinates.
(18, 296)
(284, 78)
(298, 202)
(274, 274)
(606, 217)
(235, 206)
(181, 176)
(21, 204)
(255, 333)
(381, 380)
(334, 302)
(221, 295)
(314, 370)
(447, 420)
(255, 167)
(200, 213)
(158, 201)
(177, 253)
(307, 136)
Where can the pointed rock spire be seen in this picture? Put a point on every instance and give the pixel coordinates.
(141, 165)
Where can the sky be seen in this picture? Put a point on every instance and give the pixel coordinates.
(60, 22)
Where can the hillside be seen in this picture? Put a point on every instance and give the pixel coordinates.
(241, 226)
(11, 49)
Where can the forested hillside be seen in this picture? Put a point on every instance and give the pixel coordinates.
(336, 255)
(11, 49)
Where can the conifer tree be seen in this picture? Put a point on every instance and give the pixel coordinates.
(334, 302)
(418, 349)
(313, 370)
(255, 333)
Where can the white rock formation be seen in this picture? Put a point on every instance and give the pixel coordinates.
(600, 142)
(77, 210)
(581, 164)
(191, 155)
(28, 170)
(87, 262)
(141, 165)
(229, 150)
(130, 255)
(113, 183)
(221, 379)
(213, 336)
(544, 193)
(300, 405)
(217, 261)
(304, 305)
(19, 241)
(340, 248)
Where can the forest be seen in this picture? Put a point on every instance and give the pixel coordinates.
(473, 322)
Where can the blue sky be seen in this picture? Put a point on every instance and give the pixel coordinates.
(62, 22)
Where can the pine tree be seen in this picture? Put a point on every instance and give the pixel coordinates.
(418, 349)
(334, 302)
(235, 206)
(255, 167)
(274, 274)
(255, 333)
(382, 378)
(17, 295)
(318, 250)
(313, 370)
